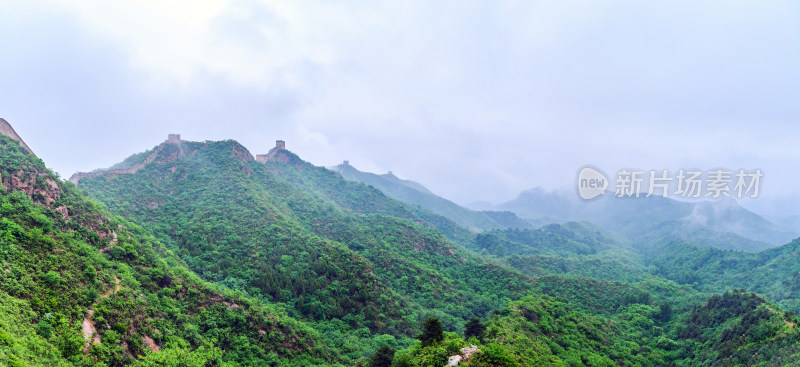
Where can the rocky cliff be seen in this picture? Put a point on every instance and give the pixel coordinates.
(7, 130)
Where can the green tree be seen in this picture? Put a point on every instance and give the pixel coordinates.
(432, 332)
(383, 357)
(474, 327)
(665, 312)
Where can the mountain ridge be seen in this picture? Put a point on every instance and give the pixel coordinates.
(66, 269)
(342, 256)
(7, 130)
(415, 193)
(636, 217)
(318, 270)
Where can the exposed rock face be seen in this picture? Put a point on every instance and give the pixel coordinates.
(40, 187)
(151, 343)
(241, 153)
(88, 327)
(454, 360)
(89, 332)
(7, 130)
(466, 354)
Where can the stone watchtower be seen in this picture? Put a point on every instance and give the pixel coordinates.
(174, 138)
(279, 145)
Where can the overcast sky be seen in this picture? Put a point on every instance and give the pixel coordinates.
(478, 100)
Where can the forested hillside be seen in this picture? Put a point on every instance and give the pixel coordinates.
(81, 286)
(338, 254)
(215, 258)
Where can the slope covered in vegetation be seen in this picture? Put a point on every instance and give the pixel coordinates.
(733, 329)
(80, 286)
(361, 271)
(339, 254)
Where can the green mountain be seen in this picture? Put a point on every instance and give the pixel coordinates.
(81, 286)
(640, 221)
(337, 254)
(584, 250)
(655, 220)
(774, 273)
(414, 193)
(738, 329)
(344, 257)
(733, 329)
(201, 254)
(541, 331)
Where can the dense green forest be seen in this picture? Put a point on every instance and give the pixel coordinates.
(208, 257)
(338, 254)
(582, 250)
(69, 265)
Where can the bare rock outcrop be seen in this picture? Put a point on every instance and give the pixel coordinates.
(7, 130)
(89, 332)
(466, 354)
(38, 185)
(241, 153)
(41, 187)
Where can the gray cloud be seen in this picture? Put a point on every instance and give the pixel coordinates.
(478, 100)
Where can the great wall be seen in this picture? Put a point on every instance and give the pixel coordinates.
(279, 145)
(7, 130)
(171, 139)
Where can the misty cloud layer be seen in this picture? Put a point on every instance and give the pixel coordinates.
(478, 100)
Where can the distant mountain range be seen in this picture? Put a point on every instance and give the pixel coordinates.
(415, 193)
(200, 254)
(714, 223)
(642, 222)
